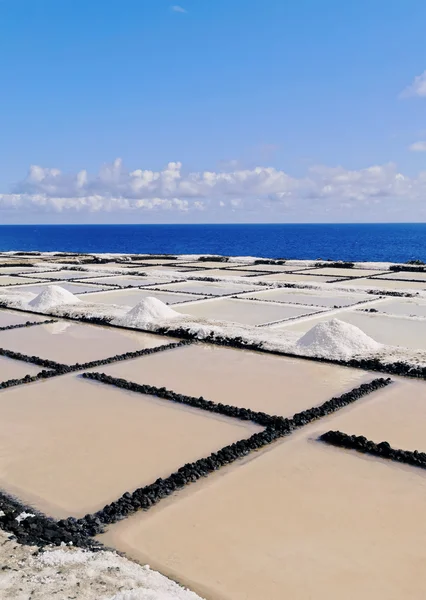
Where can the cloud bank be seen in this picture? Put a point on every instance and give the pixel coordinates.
(417, 88)
(262, 189)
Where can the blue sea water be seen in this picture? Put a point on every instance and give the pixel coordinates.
(353, 242)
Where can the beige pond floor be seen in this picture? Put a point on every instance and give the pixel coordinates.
(300, 520)
(67, 342)
(69, 446)
(65, 274)
(244, 311)
(220, 273)
(396, 414)
(408, 307)
(15, 369)
(262, 382)
(382, 284)
(325, 299)
(9, 317)
(405, 276)
(392, 330)
(268, 268)
(295, 278)
(74, 288)
(133, 297)
(330, 271)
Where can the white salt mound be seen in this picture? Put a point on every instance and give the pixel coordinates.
(336, 339)
(150, 310)
(51, 297)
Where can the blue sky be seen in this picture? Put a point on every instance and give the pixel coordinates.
(272, 110)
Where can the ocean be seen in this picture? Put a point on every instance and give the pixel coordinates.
(350, 242)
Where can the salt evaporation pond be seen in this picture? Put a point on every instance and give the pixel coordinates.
(9, 317)
(133, 297)
(243, 311)
(395, 331)
(298, 520)
(15, 369)
(69, 446)
(323, 298)
(395, 414)
(263, 382)
(69, 342)
(207, 288)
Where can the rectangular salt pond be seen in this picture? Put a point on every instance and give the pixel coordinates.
(7, 280)
(209, 265)
(269, 268)
(324, 299)
(404, 275)
(299, 520)
(262, 382)
(219, 273)
(243, 311)
(383, 284)
(407, 307)
(295, 278)
(330, 271)
(391, 330)
(123, 281)
(207, 288)
(69, 342)
(395, 414)
(9, 317)
(69, 446)
(133, 297)
(15, 369)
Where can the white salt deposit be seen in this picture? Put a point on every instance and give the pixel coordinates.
(73, 573)
(149, 311)
(51, 297)
(337, 339)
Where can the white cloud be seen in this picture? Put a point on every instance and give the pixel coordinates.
(118, 190)
(417, 88)
(418, 147)
(178, 9)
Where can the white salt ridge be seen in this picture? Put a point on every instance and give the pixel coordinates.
(148, 312)
(337, 339)
(52, 297)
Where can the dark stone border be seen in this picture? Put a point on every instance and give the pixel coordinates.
(382, 450)
(28, 379)
(39, 530)
(35, 360)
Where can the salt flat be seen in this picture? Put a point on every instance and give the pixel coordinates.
(132, 297)
(207, 287)
(6, 280)
(325, 298)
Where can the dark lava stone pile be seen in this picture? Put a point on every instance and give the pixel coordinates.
(383, 449)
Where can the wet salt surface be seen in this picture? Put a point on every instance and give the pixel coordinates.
(395, 331)
(383, 284)
(262, 382)
(396, 414)
(15, 369)
(299, 520)
(403, 307)
(220, 273)
(404, 275)
(123, 280)
(326, 299)
(270, 268)
(208, 287)
(295, 278)
(69, 446)
(68, 342)
(6, 280)
(330, 271)
(9, 317)
(132, 297)
(243, 311)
